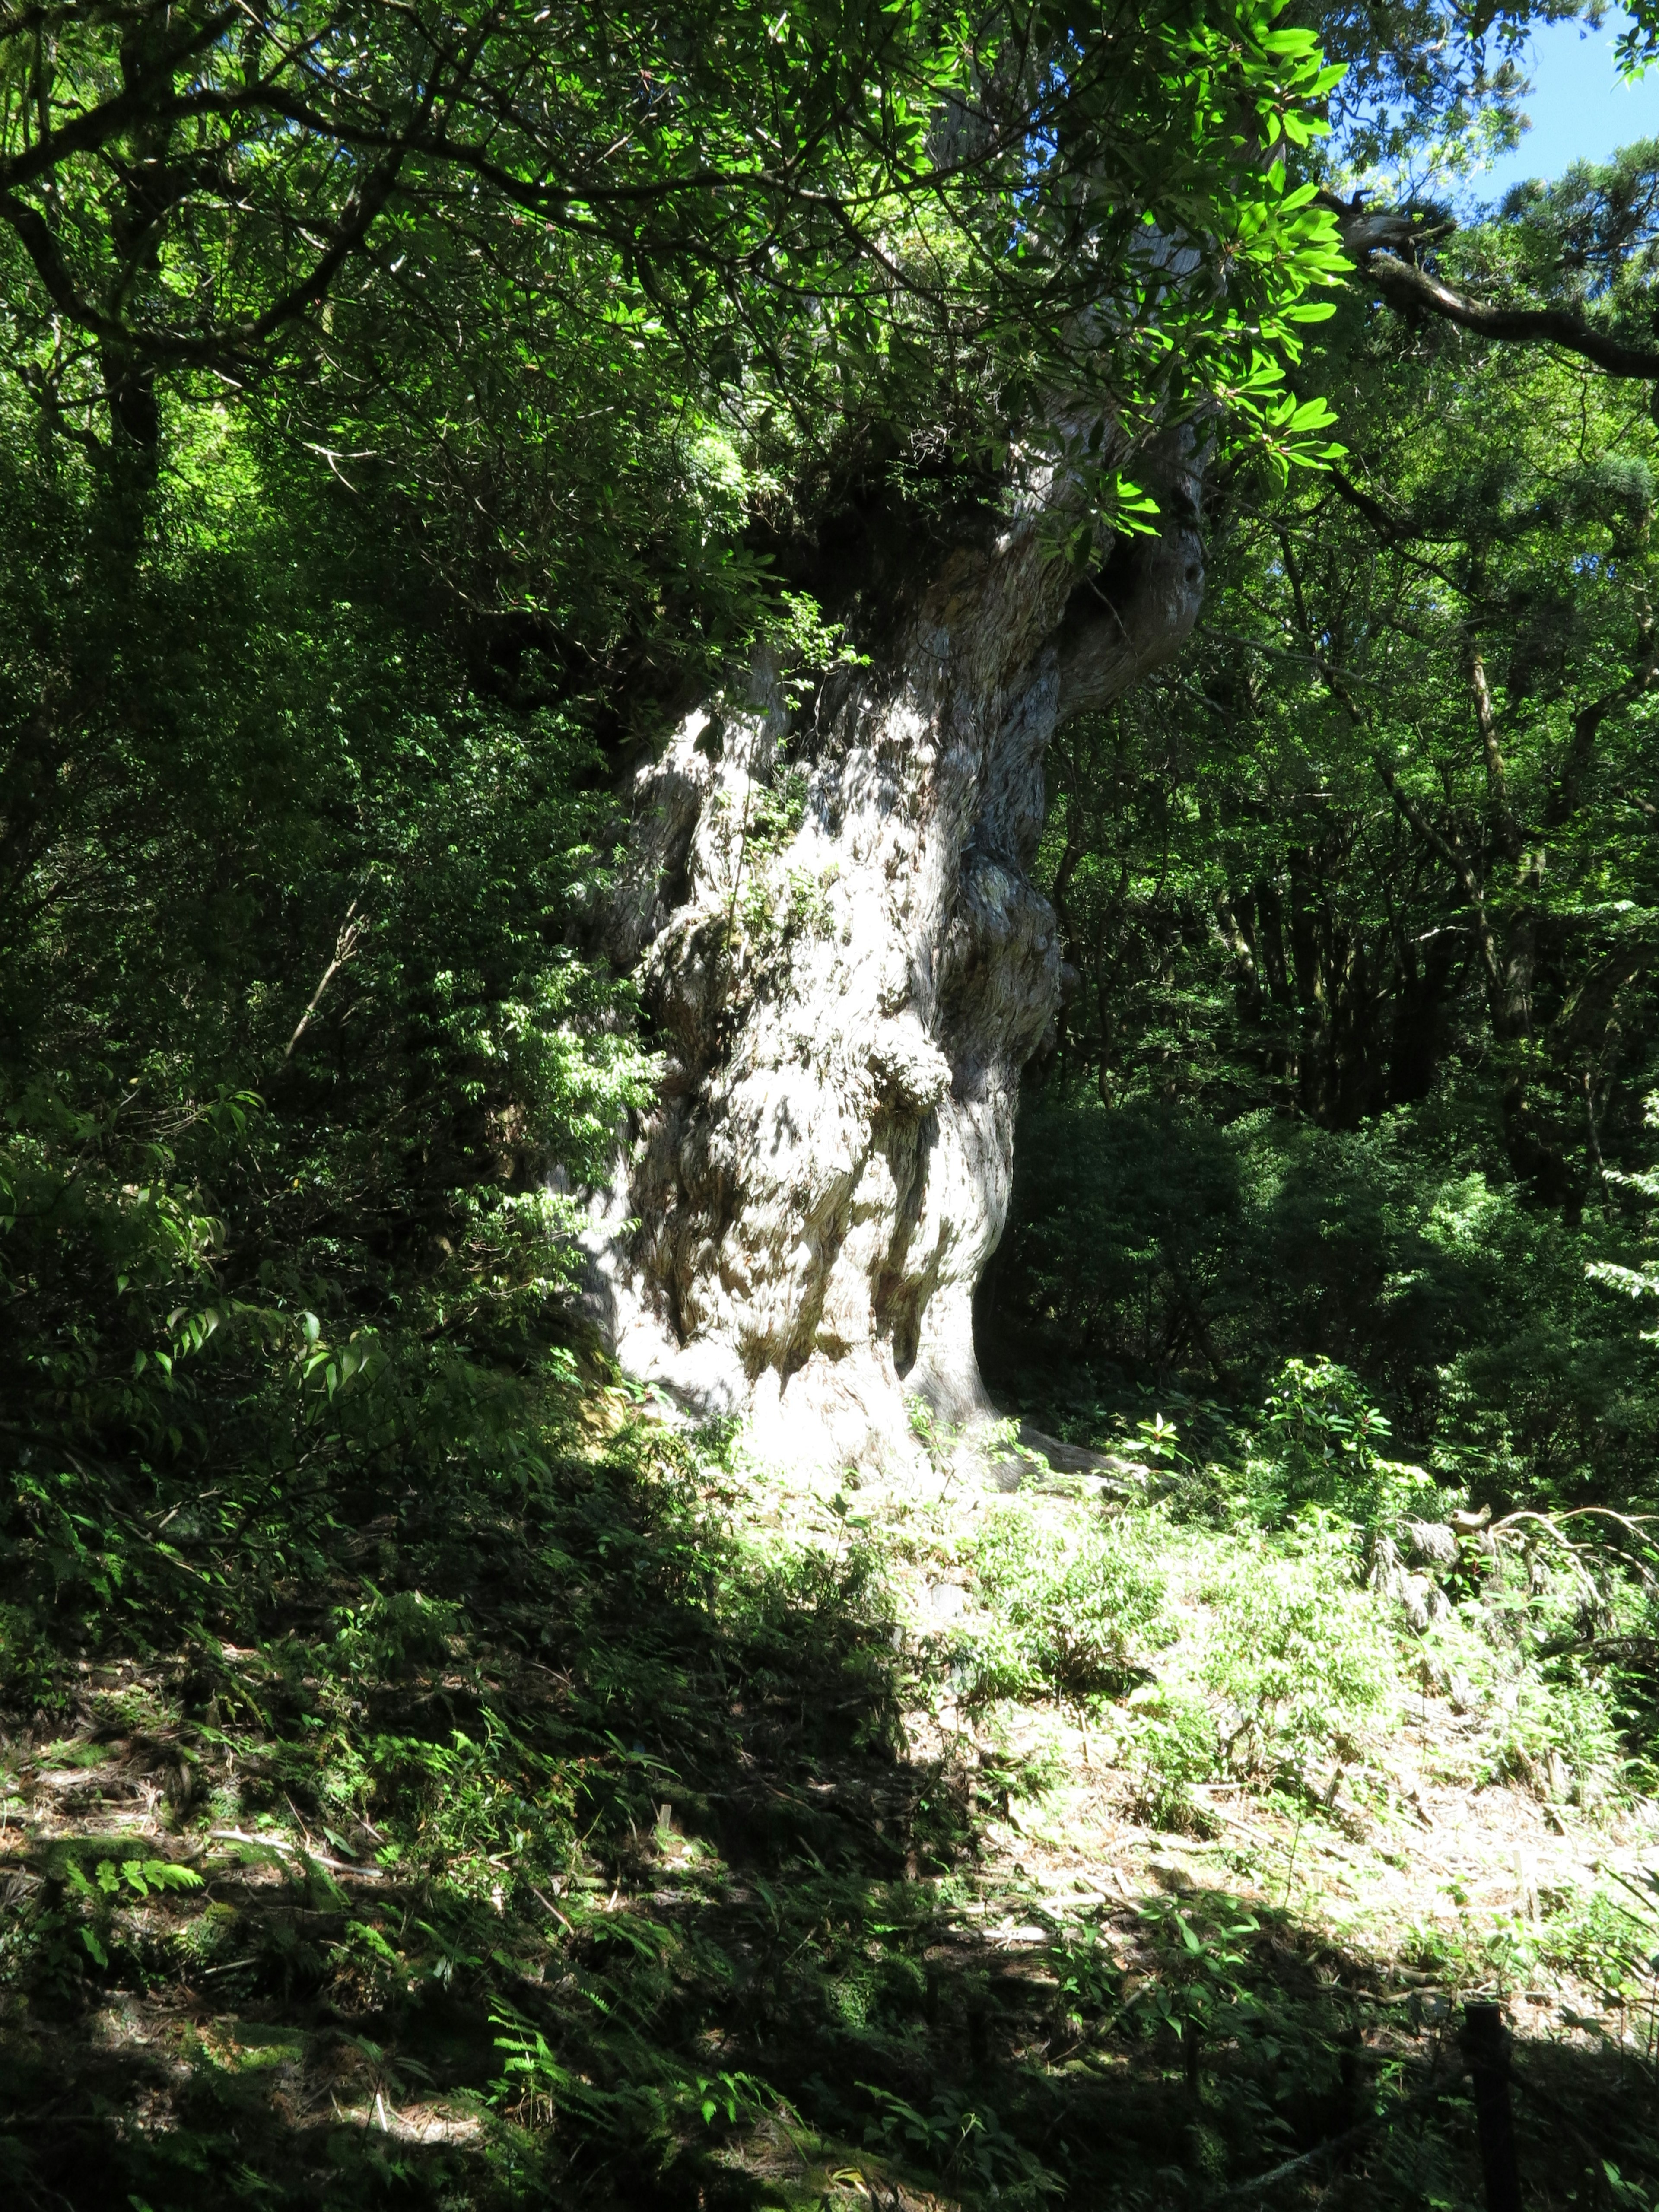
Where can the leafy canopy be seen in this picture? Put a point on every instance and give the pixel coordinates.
(837, 196)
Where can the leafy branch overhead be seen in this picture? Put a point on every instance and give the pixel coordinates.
(1043, 193)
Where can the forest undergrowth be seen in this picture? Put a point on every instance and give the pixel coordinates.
(619, 1822)
(431, 1776)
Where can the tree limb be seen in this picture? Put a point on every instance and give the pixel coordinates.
(136, 102)
(1403, 286)
(1498, 788)
(1380, 240)
(350, 937)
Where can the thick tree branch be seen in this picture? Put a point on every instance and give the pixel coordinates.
(1391, 528)
(136, 102)
(1381, 241)
(201, 348)
(1141, 608)
(1403, 286)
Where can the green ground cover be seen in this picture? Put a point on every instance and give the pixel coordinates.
(624, 1825)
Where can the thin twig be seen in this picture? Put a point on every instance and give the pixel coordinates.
(350, 937)
(296, 1850)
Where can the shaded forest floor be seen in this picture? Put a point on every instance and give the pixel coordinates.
(649, 1838)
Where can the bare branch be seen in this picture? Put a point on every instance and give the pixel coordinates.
(350, 937)
(1380, 241)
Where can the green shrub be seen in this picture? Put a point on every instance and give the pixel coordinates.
(1298, 1652)
(1074, 1601)
(1521, 1656)
(1318, 1448)
(1152, 1251)
(1553, 1727)
(1168, 1742)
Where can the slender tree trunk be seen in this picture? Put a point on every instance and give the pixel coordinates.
(848, 966)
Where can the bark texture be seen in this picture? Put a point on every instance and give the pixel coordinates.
(848, 966)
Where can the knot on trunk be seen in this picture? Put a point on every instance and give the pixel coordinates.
(911, 1075)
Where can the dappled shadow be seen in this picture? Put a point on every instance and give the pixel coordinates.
(610, 1871)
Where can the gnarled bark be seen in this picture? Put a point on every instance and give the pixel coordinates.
(849, 964)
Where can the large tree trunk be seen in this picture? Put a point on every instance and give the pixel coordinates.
(848, 966)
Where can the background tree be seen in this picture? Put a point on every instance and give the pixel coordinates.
(1376, 861)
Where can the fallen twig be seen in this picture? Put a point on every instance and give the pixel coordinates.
(297, 1851)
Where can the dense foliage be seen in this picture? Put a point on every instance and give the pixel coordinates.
(1361, 899)
(403, 414)
(888, 213)
(398, 414)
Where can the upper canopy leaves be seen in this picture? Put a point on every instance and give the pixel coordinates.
(844, 189)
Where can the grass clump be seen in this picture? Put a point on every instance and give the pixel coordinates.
(1297, 1654)
(1074, 1603)
(1169, 1743)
